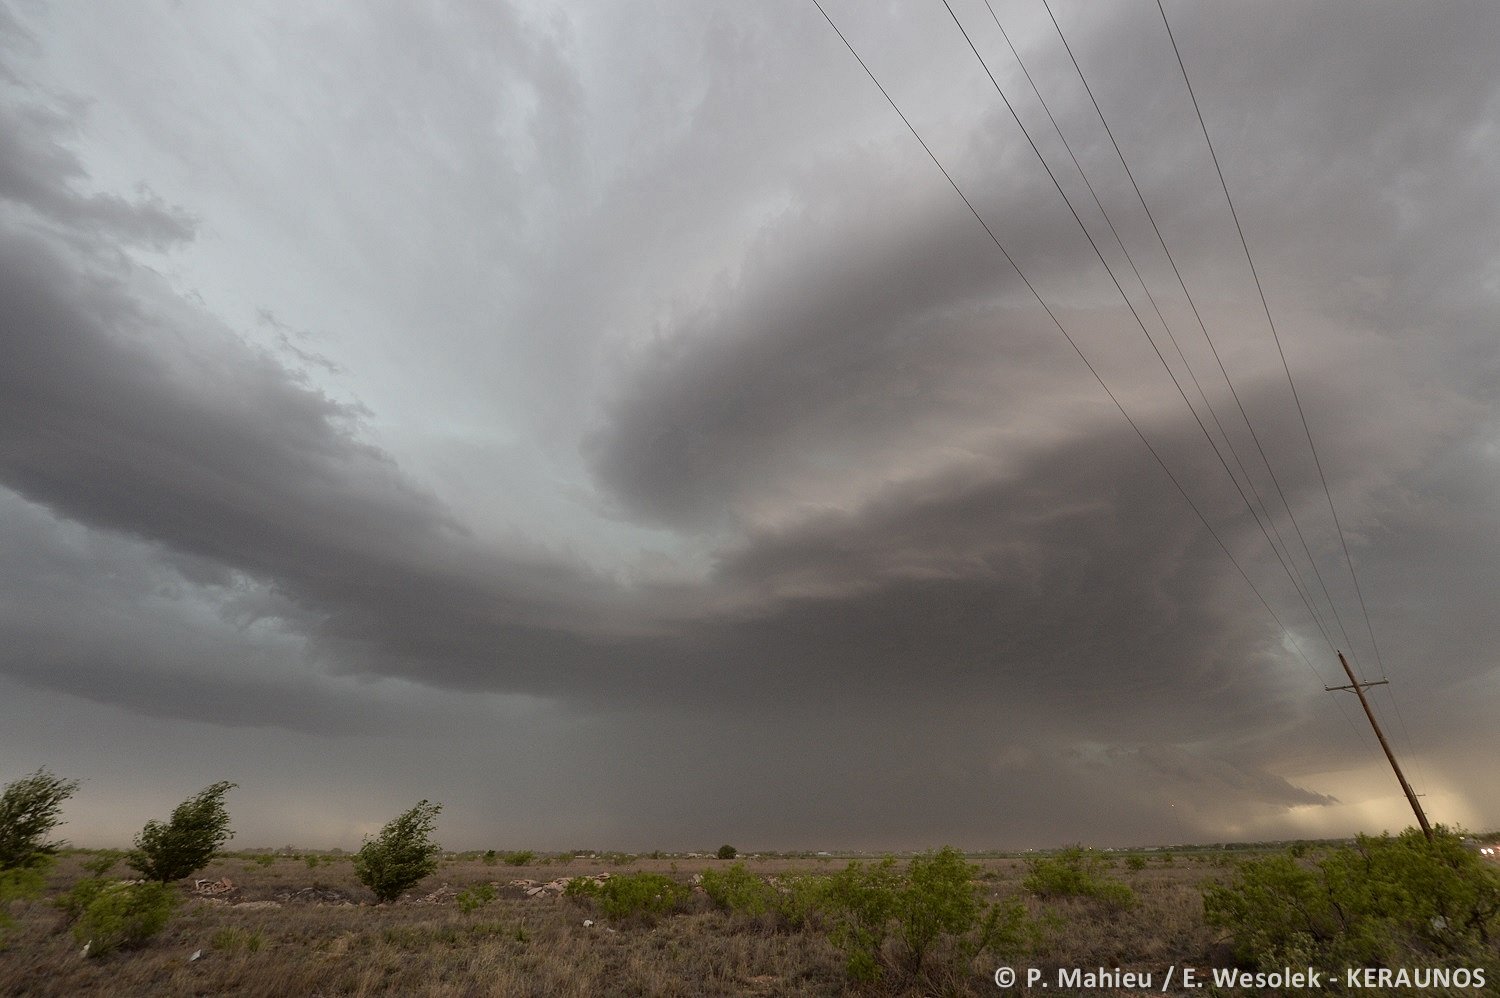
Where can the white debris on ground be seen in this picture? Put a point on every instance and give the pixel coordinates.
(552, 888)
(213, 888)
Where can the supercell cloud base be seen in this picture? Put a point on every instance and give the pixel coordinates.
(610, 424)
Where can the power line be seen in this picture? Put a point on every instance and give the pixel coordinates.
(1343, 543)
(1071, 342)
(1234, 452)
(1131, 306)
(1202, 326)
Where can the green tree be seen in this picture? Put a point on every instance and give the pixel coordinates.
(728, 852)
(185, 844)
(29, 809)
(401, 855)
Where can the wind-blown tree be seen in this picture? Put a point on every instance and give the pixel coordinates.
(29, 809)
(185, 844)
(402, 854)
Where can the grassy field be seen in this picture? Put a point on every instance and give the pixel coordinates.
(303, 925)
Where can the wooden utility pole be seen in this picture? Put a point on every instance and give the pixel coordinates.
(1359, 691)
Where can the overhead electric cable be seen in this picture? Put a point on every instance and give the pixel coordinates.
(1072, 343)
(1266, 307)
(1202, 326)
(1234, 452)
(1136, 315)
(1291, 382)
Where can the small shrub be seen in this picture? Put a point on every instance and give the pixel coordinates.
(29, 809)
(312, 862)
(76, 901)
(120, 914)
(185, 844)
(862, 900)
(727, 852)
(740, 891)
(490, 859)
(1382, 902)
(1135, 862)
(473, 898)
(401, 855)
(1076, 872)
(631, 895)
(932, 910)
(938, 900)
(521, 857)
(801, 899)
(18, 884)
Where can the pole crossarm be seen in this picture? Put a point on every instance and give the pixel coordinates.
(1356, 686)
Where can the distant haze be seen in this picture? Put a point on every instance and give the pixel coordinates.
(605, 420)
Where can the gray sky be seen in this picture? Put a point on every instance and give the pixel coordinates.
(606, 420)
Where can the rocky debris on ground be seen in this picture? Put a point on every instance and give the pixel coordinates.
(552, 888)
(442, 895)
(315, 895)
(214, 888)
(226, 903)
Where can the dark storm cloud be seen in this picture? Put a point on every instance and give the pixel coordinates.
(129, 410)
(931, 557)
(127, 407)
(836, 334)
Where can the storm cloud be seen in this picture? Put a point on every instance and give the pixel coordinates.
(614, 426)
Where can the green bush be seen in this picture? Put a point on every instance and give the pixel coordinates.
(738, 890)
(185, 844)
(473, 898)
(490, 859)
(861, 900)
(521, 857)
(82, 894)
(401, 855)
(1076, 872)
(121, 914)
(20, 883)
(932, 909)
(1135, 862)
(801, 899)
(727, 852)
(1382, 902)
(29, 809)
(631, 895)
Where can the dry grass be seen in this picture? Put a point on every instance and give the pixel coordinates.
(517, 946)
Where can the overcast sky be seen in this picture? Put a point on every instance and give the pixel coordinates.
(605, 420)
